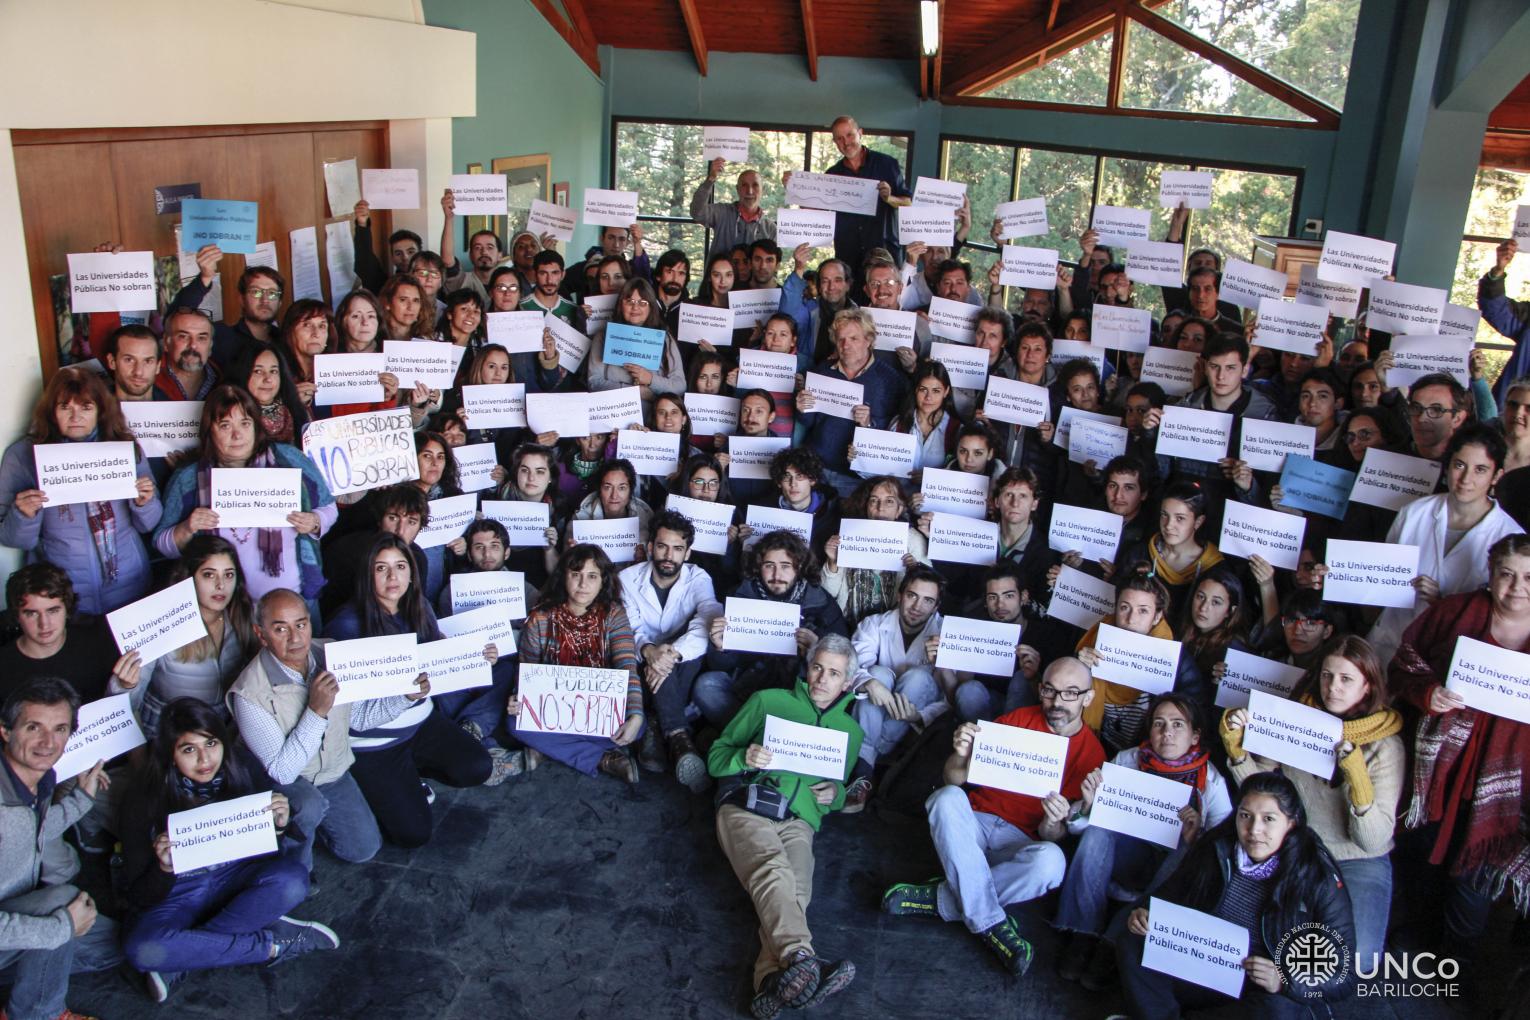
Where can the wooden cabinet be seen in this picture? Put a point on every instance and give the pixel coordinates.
(1287, 254)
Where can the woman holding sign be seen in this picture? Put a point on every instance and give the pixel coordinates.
(930, 416)
(1264, 870)
(1469, 792)
(223, 915)
(97, 543)
(861, 591)
(1356, 811)
(1175, 555)
(358, 328)
(579, 621)
(637, 305)
(271, 557)
(1104, 856)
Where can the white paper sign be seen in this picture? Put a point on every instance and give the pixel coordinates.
(1029, 267)
(602, 307)
(1522, 224)
(954, 320)
(1093, 533)
(456, 664)
(1492, 679)
(1249, 530)
(1140, 804)
(806, 750)
(1140, 661)
(263, 255)
(480, 194)
(933, 224)
(1122, 329)
(1352, 258)
(879, 452)
(1155, 262)
(1458, 320)
(1405, 308)
(1247, 673)
(1025, 217)
(765, 519)
(348, 378)
(1118, 226)
(475, 466)
(604, 207)
(832, 191)
(1245, 284)
(1081, 599)
(711, 521)
(1194, 434)
(1414, 357)
(1265, 445)
(517, 332)
(1290, 326)
(567, 414)
(582, 700)
(1017, 403)
(934, 191)
(341, 186)
(954, 492)
(525, 522)
(1019, 760)
(1196, 947)
(103, 282)
(104, 729)
(977, 646)
(86, 472)
(1192, 188)
(449, 518)
(1370, 573)
(505, 590)
(619, 538)
(729, 143)
(895, 328)
(256, 497)
(304, 247)
(492, 625)
(1341, 299)
(750, 456)
(1064, 351)
(551, 218)
(804, 227)
(1393, 480)
(712, 414)
(651, 453)
(391, 189)
(495, 405)
(1293, 734)
(872, 545)
(163, 427)
(373, 667)
(835, 397)
(415, 361)
(703, 322)
(340, 258)
(572, 346)
(1173, 370)
(955, 539)
(759, 625)
(356, 452)
(616, 409)
(223, 831)
(771, 371)
(753, 306)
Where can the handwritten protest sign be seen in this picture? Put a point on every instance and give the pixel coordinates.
(830, 191)
(806, 750)
(955, 539)
(104, 282)
(1249, 530)
(759, 625)
(1122, 329)
(1492, 679)
(1370, 573)
(356, 452)
(977, 646)
(86, 472)
(389, 189)
(256, 497)
(1141, 661)
(223, 831)
(581, 700)
(517, 332)
(1247, 673)
(159, 623)
(373, 667)
(1140, 804)
(1293, 734)
(1019, 760)
(1096, 442)
(1063, 436)
(103, 730)
(1194, 946)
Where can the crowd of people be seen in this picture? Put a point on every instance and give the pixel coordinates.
(251, 707)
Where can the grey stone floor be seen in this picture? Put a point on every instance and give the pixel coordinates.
(560, 896)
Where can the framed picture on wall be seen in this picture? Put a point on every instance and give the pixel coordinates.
(472, 224)
(526, 178)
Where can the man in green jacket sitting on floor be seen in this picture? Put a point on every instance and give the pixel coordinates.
(766, 818)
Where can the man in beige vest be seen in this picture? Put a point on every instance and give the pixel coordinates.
(284, 705)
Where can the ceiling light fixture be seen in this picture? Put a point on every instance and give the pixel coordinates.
(929, 27)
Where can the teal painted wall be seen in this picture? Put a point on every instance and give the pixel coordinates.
(534, 95)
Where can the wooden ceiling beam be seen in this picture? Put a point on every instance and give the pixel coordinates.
(693, 29)
(1052, 15)
(581, 22)
(810, 38)
(1117, 63)
(940, 55)
(999, 59)
(583, 47)
(924, 76)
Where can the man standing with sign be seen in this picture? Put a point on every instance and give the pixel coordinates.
(732, 223)
(855, 236)
(998, 848)
(766, 821)
(51, 928)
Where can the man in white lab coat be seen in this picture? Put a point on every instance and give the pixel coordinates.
(670, 603)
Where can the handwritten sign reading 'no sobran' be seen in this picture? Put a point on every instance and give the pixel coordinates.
(581, 700)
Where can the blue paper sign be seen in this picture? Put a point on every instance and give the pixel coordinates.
(1307, 484)
(168, 197)
(633, 345)
(229, 225)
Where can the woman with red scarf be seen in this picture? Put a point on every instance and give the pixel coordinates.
(579, 621)
(1172, 750)
(1469, 776)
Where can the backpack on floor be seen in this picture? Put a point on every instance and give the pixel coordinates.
(919, 771)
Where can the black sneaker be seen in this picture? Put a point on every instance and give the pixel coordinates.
(159, 983)
(1013, 951)
(1073, 955)
(797, 982)
(1100, 972)
(650, 755)
(832, 977)
(911, 899)
(293, 937)
(766, 1003)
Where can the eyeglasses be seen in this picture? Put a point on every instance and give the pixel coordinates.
(259, 294)
(706, 485)
(1069, 694)
(428, 274)
(1360, 436)
(635, 302)
(506, 288)
(882, 284)
(1417, 410)
(1303, 623)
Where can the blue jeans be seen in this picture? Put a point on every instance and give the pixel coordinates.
(339, 814)
(40, 977)
(719, 694)
(217, 917)
(1104, 856)
(1154, 995)
(988, 862)
(882, 733)
(1370, 894)
(577, 751)
(482, 705)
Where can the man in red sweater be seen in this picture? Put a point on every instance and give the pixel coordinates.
(997, 847)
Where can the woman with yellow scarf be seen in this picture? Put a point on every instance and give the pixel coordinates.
(1356, 811)
(1175, 554)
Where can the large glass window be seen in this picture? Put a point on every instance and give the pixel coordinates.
(1079, 76)
(1488, 221)
(1161, 75)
